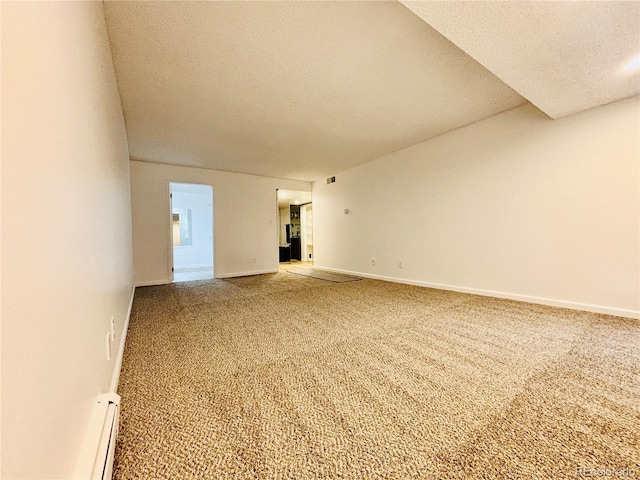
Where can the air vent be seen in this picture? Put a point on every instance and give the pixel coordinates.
(331, 180)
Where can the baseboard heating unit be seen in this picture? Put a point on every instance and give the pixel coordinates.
(100, 445)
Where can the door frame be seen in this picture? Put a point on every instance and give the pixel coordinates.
(171, 266)
(170, 272)
(279, 219)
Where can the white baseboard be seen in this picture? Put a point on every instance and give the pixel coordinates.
(245, 274)
(153, 283)
(191, 267)
(618, 312)
(123, 337)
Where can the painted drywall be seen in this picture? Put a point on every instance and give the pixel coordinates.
(66, 230)
(285, 219)
(306, 229)
(244, 212)
(198, 199)
(516, 205)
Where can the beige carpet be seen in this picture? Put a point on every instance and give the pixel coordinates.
(281, 376)
(323, 275)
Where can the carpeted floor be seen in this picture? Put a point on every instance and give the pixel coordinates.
(323, 275)
(282, 376)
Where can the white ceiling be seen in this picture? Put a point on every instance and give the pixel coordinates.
(562, 56)
(298, 90)
(303, 90)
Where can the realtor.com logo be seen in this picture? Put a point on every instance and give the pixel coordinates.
(588, 472)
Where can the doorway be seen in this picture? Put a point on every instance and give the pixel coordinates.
(191, 231)
(295, 219)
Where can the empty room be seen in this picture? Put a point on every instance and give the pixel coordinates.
(320, 240)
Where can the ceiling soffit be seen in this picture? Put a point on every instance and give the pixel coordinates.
(564, 57)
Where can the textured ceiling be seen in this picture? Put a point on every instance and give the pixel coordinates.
(562, 56)
(297, 90)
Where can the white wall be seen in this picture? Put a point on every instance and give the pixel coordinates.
(285, 219)
(66, 230)
(244, 209)
(200, 201)
(517, 205)
(306, 229)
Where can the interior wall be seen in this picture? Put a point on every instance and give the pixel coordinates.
(306, 228)
(66, 230)
(516, 205)
(285, 219)
(245, 211)
(200, 202)
(303, 233)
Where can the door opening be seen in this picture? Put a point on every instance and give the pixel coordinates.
(191, 231)
(295, 218)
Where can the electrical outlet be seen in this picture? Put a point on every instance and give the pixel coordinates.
(254, 260)
(400, 264)
(108, 344)
(112, 326)
(373, 262)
